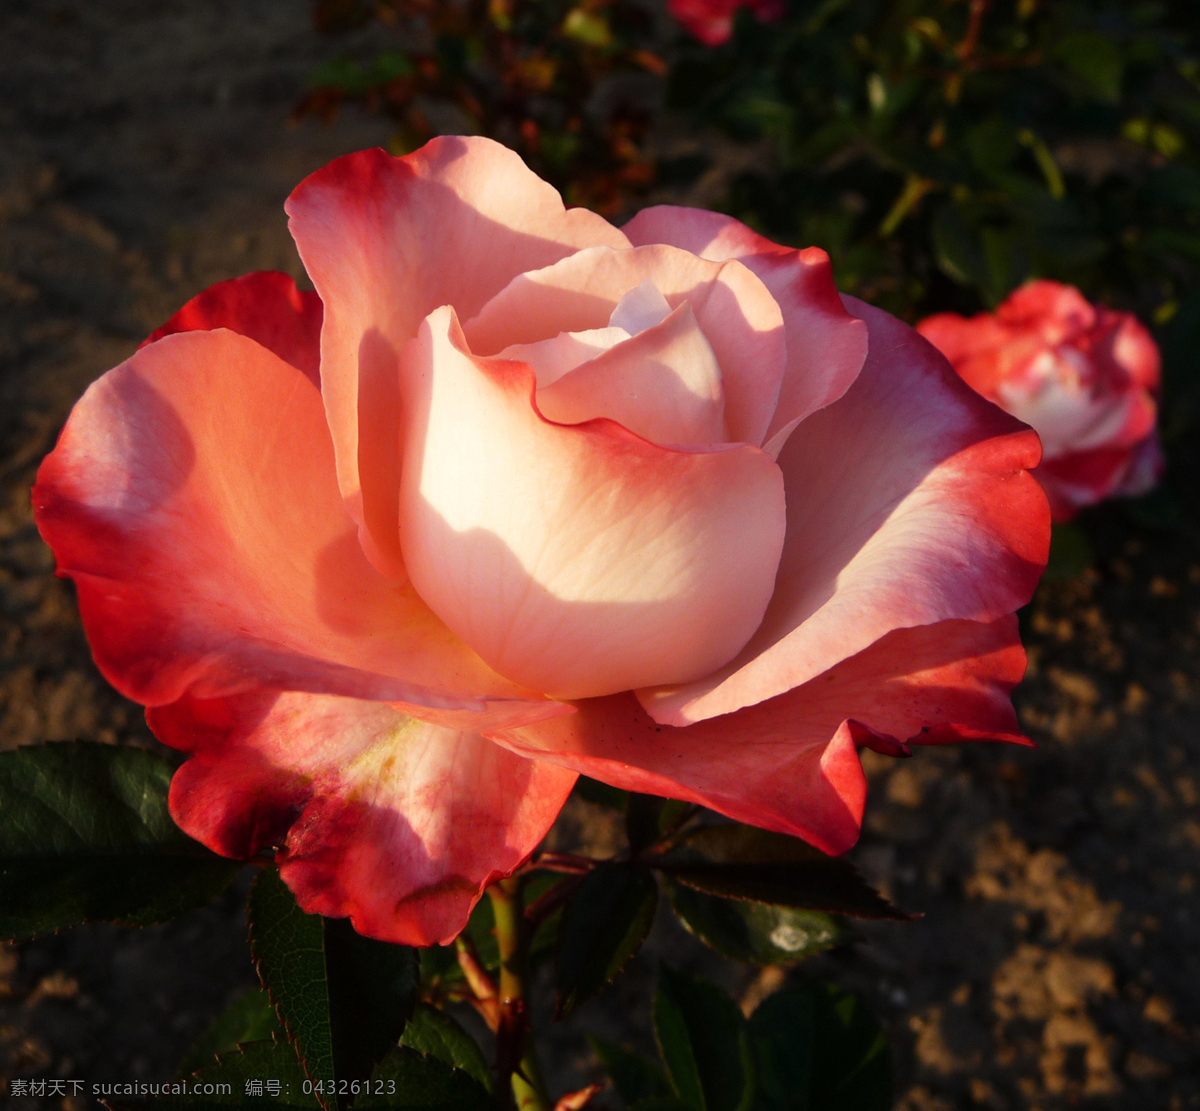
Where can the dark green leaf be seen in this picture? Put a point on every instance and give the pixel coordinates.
(1094, 59)
(702, 1038)
(436, 1034)
(635, 1078)
(755, 932)
(249, 1018)
(957, 249)
(343, 999)
(1070, 552)
(742, 862)
(819, 1047)
(411, 1081)
(592, 790)
(242, 1076)
(85, 835)
(602, 928)
(649, 819)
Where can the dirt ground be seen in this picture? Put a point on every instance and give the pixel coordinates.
(144, 154)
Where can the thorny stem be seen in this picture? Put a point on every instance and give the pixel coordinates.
(516, 1063)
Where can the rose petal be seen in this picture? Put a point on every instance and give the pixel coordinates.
(909, 503)
(738, 316)
(663, 383)
(192, 498)
(264, 306)
(790, 764)
(826, 346)
(567, 555)
(396, 823)
(387, 240)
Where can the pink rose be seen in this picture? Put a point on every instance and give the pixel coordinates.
(521, 496)
(711, 21)
(1083, 376)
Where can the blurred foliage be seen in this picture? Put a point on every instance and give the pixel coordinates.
(944, 151)
(556, 80)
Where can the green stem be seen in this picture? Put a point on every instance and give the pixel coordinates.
(514, 1047)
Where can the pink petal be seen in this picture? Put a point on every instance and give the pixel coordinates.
(663, 383)
(826, 346)
(264, 306)
(387, 240)
(909, 503)
(790, 764)
(396, 823)
(575, 559)
(192, 498)
(738, 316)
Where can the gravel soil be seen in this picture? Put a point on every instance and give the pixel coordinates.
(144, 154)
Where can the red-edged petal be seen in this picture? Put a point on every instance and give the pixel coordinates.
(909, 503)
(575, 558)
(791, 764)
(393, 822)
(826, 346)
(192, 498)
(264, 306)
(736, 312)
(387, 240)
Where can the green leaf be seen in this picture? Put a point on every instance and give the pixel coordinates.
(741, 862)
(249, 1018)
(241, 1077)
(635, 1078)
(649, 819)
(342, 999)
(1070, 552)
(957, 249)
(819, 1047)
(702, 1038)
(85, 835)
(412, 1081)
(603, 926)
(436, 1034)
(1095, 60)
(755, 932)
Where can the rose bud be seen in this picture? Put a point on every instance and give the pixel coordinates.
(1085, 377)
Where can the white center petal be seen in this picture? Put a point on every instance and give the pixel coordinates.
(641, 308)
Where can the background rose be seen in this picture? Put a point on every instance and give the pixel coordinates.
(711, 21)
(647, 504)
(1084, 376)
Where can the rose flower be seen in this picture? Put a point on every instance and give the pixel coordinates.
(518, 495)
(1084, 376)
(711, 21)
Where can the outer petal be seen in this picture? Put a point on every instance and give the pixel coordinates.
(387, 240)
(790, 764)
(664, 384)
(567, 555)
(193, 500)
(396, 823)
(909, 503)
(737, 314)
(826, 346)
(264, 306)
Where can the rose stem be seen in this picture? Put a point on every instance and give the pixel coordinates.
(515, 1059)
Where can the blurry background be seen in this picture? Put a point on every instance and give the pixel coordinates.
(942, 151)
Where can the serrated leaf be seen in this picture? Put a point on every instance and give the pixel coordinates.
(238, 1073)
(755, 932)
(603, 926)
(411, 1081)
(342, 998)
(633, 1076)
(85, 835)
(648, 819)
(436, 1034)
(249, 1018)
(816, 1047)
(741, 862)
(702, 1038)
